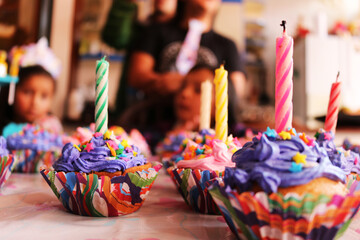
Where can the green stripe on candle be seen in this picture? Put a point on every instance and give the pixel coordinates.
(102, 73)
(100, 110)
(101, 98)
(101, 93)
(101, 124)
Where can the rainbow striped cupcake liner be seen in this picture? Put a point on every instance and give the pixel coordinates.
(6, 166)
(274, 216)
(192, 185)
(353, 182)
(167, 163)
(30, 161)
(101, 196)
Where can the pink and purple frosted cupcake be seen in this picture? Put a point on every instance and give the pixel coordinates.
(198, 165)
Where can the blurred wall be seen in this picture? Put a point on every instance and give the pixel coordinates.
(61, 44)
(291, 10)
(230, 22)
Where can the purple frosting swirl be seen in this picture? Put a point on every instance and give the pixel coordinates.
(269, 162)
(346, 160)
(99, 158)
(3, 149)
(32, 137)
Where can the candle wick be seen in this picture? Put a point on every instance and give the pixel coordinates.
(283, 24)
(337, 77)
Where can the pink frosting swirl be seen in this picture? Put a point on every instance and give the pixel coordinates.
(216, 158)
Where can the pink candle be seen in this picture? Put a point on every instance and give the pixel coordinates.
(333, 107)
(284, 83)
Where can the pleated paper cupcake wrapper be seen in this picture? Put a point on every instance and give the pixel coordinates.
(6, 166)
(353, 182)
(192, 185)
(274, 216)
(30, 161)
(167, 163)
(101, 196)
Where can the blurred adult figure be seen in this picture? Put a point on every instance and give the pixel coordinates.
(153, 62)
(164, 11)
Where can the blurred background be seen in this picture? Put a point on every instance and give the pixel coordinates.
(326, 34)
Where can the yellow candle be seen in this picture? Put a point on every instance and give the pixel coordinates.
(221, 103)
(205, 107)
(14, 68)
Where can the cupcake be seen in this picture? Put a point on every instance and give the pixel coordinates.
(201, 163)
(102, 177)
(284, 186)
(6, 162)
(134, 138)
(171, 146)
(83, 134)
(347, 160)
(33, 147)
(174, 144)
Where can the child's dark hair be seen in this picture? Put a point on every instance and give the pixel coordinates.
(26, 72)
(202, 66)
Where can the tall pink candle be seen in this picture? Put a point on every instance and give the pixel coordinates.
(333, 107)
(284, 83)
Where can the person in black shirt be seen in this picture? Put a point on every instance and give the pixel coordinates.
(152, 64)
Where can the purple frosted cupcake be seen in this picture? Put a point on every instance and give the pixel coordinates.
(33, 147)
(102, 177)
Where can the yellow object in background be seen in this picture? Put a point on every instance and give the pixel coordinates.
(3, 64)
(221, 103)
(14, 68)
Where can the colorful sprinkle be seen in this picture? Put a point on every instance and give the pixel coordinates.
(124, 143)
(285, 135)
(310, 141)
(304, 138)
(292, 131)
(295, 167)
(199, 151)
(270, 133)
(88, 147)
(107, 134)
(113, 144)
(299, 158)
(111, 149)
(119, 151)
(327, 136)
(77, 147)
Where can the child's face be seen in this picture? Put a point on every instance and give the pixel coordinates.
(33, 98)
(187, 101)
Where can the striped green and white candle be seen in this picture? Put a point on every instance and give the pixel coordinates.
(101, 97)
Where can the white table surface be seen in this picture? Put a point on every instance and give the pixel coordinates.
(30, 210)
